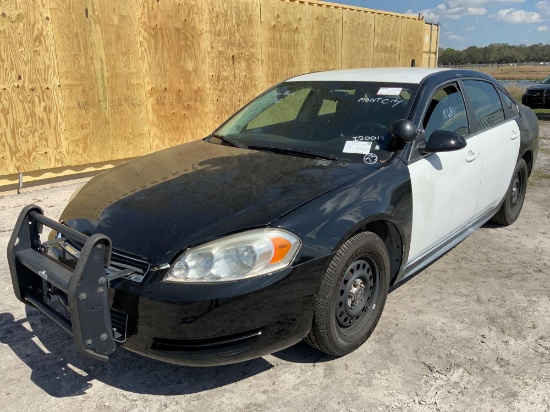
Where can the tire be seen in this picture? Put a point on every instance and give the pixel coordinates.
(513, 201)
(352, 295)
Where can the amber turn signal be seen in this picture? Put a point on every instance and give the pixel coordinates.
(281, 247)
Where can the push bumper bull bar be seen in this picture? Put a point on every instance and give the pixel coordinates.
(35, 276)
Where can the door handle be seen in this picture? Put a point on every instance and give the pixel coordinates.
(514, 135)
(472, 156)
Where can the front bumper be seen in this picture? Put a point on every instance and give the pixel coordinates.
(189, 324)
(219, 324)
(536, 98)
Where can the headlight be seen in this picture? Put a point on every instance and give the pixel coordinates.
(241, 256)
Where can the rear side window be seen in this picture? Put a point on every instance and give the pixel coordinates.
(509, 103)
(446, 111)
(488, 109)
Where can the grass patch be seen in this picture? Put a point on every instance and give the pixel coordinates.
(538, 179)
(537, 174)
(544, 150)
(507, 72)
(516, 91)
(541, 110)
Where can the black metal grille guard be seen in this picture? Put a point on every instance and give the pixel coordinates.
(86, 287)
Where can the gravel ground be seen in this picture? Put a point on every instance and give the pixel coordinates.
(470, 333)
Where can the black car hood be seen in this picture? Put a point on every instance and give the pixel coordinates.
(157, 205)
(539, 87)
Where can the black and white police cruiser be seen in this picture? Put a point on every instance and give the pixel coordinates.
(292, 220)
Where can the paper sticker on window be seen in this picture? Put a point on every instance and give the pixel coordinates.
(356, 146)
(389, 91)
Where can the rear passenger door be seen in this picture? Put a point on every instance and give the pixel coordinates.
(499, 140)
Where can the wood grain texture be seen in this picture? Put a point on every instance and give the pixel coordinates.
(32, 130)
(324, 38)
(435, 45)
(412, 34)
(234, 55)
(430, 44)
(175, 67)
(387, 30)
(284, 40)
(82, 76)
(349, 7)
(358, 39)
(122, 75)
(92, 81)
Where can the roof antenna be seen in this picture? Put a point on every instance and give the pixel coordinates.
(413, 63)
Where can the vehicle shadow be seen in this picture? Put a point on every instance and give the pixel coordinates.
(491, 225)
(303, 353)
(61, 370)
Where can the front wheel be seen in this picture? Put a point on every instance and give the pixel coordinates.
(513, 202)
(352, 295)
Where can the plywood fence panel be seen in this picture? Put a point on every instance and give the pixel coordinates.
(32, 131)
(284, 40)
(90, 81)
(386, 40)
(435, 45)
(357, 39)
(430, 45)
(412, 34)
(175, 66)
(234, 55)
(122, 73)
(324, 38)
(81, 65)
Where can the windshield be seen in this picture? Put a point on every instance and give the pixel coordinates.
(347, 121)
(546, 81)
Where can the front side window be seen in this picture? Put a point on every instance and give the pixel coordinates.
(446, 111)
(488, 110)
(343, 120)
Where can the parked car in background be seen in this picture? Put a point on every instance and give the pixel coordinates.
(292, 220)
(537, 96)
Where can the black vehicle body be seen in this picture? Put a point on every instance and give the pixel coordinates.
(152, 208)
(538, 95)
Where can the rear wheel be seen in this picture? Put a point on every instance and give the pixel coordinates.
(513, 202)
(352, 295)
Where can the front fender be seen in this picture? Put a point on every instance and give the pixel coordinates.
(329, 220)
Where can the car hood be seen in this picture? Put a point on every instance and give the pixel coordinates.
(539, 87)
(158, 205)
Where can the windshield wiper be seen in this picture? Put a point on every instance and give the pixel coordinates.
(229, 141)
(294, 151)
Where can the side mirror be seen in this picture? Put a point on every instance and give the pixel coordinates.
(442, 141)
(404, 130)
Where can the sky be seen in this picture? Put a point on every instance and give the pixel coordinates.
(475, 22)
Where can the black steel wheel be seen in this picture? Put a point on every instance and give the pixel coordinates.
(513, 202)
(352, 295)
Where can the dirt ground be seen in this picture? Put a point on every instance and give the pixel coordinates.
(470, 333)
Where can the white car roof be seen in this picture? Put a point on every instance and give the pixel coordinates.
(385, 74)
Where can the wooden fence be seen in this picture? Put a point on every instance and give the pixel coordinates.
(85, 82)
(431, 45)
